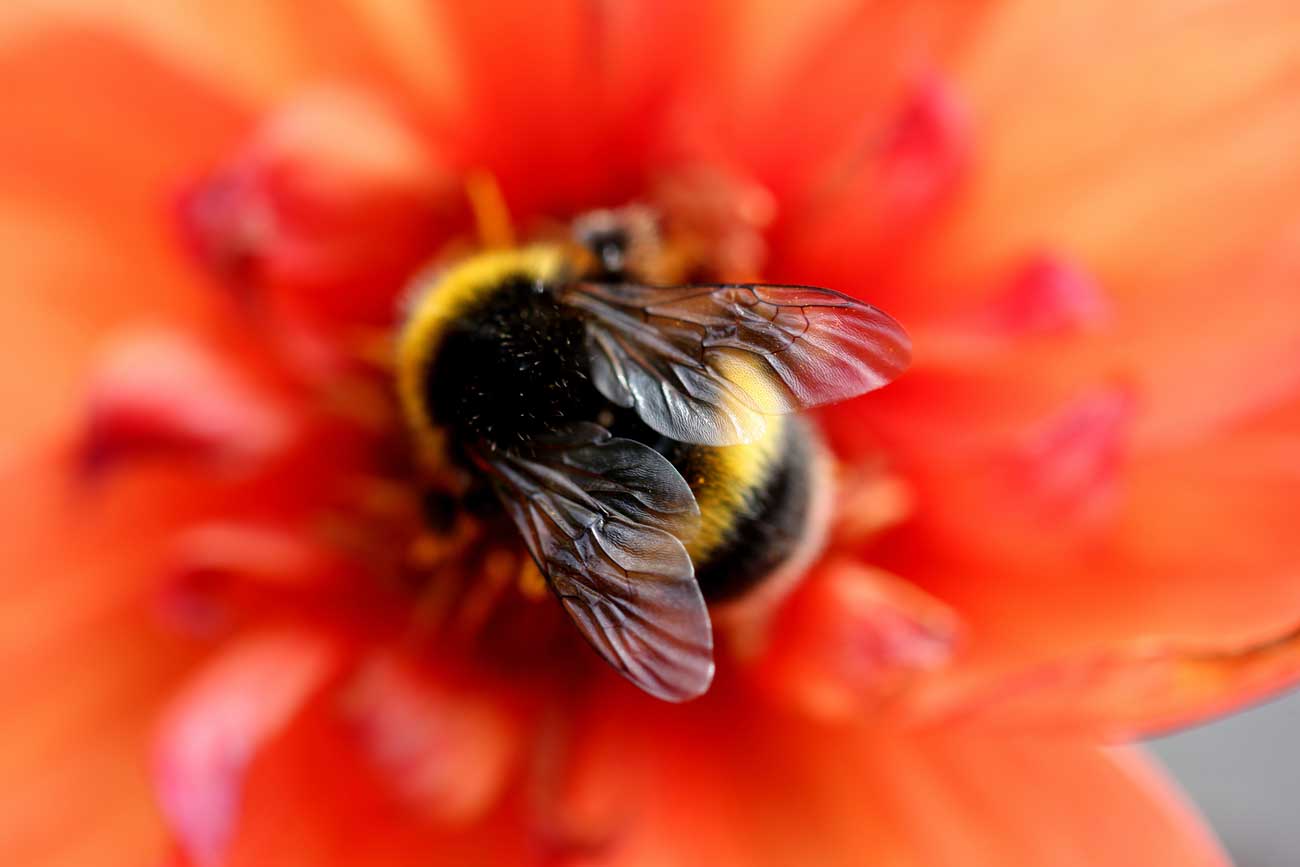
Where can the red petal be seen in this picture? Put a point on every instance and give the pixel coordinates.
(861, 62)
(334, 204)
(927, 150)
(217, 569)
(446, 751)
(315, 798)
(1070, 468)
(540, 133)
(824, 795)
(850, 637)
(217, 726)
(732, 787)
(862, 214)
(1127, 692)
(1048, 295)
(164, 394)
(1181, 564)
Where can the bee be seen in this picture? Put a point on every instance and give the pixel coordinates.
(642, 438)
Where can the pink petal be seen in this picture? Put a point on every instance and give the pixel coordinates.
(215, 565)
(446, 750)
(326, 212)
(216, 727)
(851, 636)
(927, 150)
(163, 393)
(1070, 467)
(1048, 294)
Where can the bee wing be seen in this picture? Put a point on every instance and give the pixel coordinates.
(604, 519)
(704, 364)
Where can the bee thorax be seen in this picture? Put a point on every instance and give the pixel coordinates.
(513, 367)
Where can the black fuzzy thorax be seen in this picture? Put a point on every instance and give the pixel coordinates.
(511, 367)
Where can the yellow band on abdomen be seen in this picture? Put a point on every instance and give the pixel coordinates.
(725, 481)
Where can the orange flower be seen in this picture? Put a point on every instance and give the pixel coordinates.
(1069, 523)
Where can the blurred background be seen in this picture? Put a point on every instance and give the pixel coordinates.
(1243, 772)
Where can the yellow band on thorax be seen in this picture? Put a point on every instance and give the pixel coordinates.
(444, 298)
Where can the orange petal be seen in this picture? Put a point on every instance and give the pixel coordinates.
(83, 230)
(860, 213)
(333, 203)
(1128, 164)
(1126, 167)
(216, 727)
(1130, 691)
(1170, 556)
(83, 666)
(850, 637)
(726, 789)
(162, 394)
(812, 95)
(1197, 372)
(447, 752)
(256, 51)
(534, 131)
(690, 795)
(219, 571)
(316, 798)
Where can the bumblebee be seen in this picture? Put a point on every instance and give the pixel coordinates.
(642, 438)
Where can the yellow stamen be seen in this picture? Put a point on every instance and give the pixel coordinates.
(531, 583)
(491, 215)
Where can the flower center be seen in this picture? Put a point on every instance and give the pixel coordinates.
(362, 507)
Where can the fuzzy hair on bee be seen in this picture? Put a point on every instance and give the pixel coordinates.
(643, 439)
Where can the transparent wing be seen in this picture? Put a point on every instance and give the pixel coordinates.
(705, 364)
(604, 519)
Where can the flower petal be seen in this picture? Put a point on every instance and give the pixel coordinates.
(216, 727)
(82, 668)
(866, 64)
(1189, 117)
(1047, 295)
(1181, 565)
(868, 205)
(80, 229)
(333, 203)
(788, 792)
(256, 51)
(447, 752)
(540, 132)
(220, 572)
(316, 798)
(851, 637)
(1130, 691)
(162, 394)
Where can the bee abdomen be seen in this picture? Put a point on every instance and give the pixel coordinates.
(763, 522)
